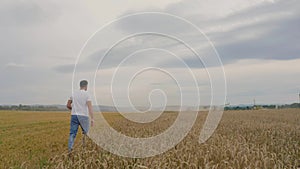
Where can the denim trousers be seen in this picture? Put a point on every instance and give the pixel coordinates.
(76, 121)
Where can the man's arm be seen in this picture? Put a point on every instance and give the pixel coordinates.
(91, 113)
(69, 104)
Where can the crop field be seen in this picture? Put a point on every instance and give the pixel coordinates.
(244, 139)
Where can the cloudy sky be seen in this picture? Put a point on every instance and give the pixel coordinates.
(257, 41)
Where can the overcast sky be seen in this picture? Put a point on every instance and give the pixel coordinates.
(258, 42)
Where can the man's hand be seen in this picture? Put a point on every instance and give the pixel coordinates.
(92, 122)
(69, 104)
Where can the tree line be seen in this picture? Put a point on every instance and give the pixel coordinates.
(31, 107)
(257, 107)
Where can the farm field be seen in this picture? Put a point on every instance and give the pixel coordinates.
(244, 139)
(28, 139)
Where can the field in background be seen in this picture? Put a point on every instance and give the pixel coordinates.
(254, 138)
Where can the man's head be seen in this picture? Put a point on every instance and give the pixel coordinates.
(83, 84)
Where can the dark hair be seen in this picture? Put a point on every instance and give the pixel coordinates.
(83, 83)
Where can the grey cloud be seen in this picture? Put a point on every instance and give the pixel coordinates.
(16, 13)
(279, 39)
(122, 51)
(67, 68)
(150, 22)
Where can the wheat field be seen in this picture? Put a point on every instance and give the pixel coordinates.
(243, 139)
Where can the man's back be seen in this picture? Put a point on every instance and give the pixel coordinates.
(82, 113)
(79, 102)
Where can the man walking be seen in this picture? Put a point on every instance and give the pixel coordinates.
(81, 105)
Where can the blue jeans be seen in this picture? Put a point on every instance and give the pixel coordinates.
(76, 120)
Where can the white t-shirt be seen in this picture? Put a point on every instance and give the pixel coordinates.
(79, 103)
